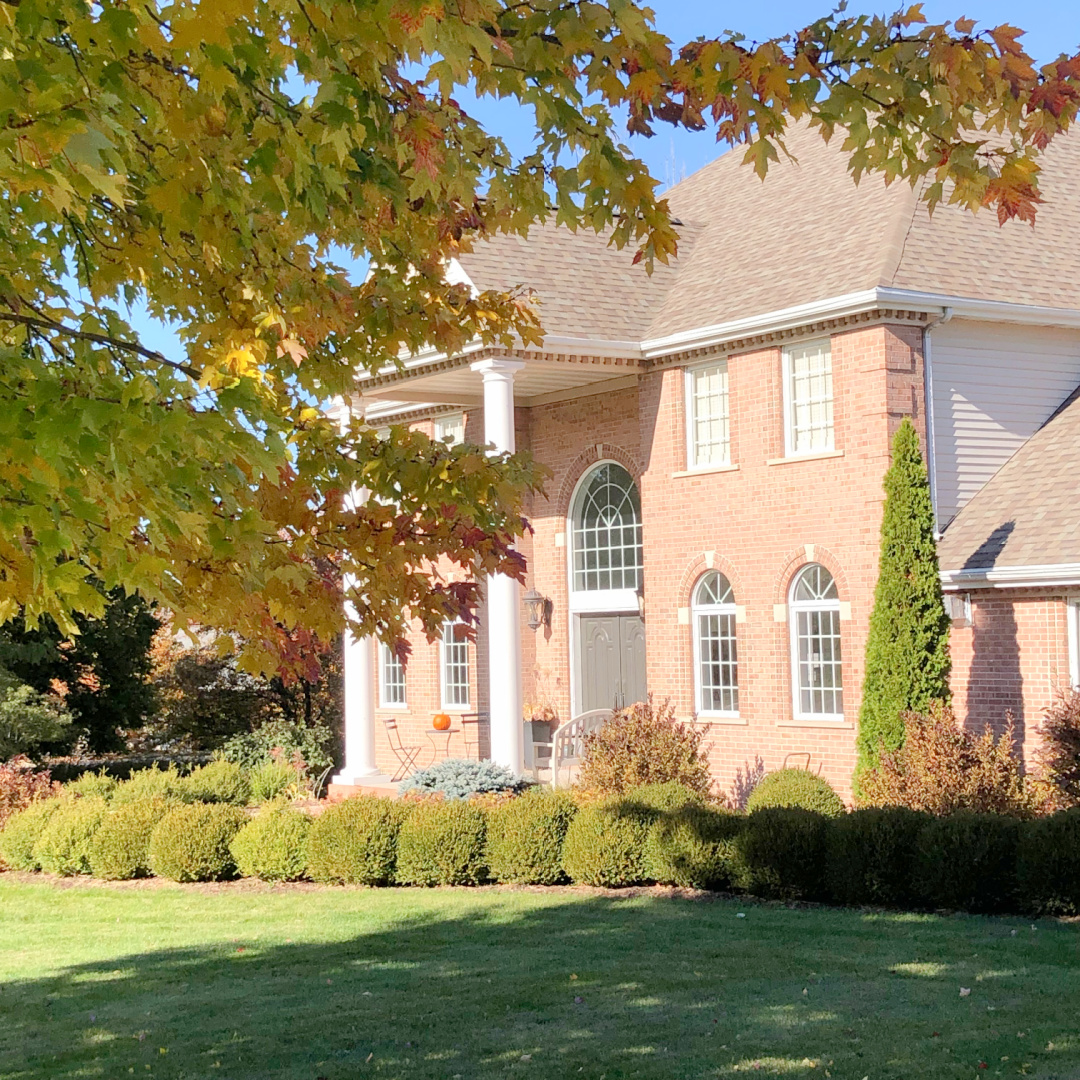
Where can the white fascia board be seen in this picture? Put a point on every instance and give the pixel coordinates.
(855, 303)
(1052, 575)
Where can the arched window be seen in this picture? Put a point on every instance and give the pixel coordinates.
(715, 663)
(817, 675)
(607, 531)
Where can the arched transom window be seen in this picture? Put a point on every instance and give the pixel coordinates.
(817, 670)
(607, 531)
(715, 660)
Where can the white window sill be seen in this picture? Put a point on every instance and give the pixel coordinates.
(823, 456)
(720, 718)
(459, 709)
(816, 721)
(392, 708)
(705, 470)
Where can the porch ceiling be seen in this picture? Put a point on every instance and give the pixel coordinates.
(453, 382)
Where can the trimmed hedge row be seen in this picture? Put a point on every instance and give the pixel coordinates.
(899, 858)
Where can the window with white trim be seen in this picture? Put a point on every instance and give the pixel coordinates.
(808, 397)
(454, 666)
(816, 659)
(1073, 612)
(607, 531)
(708, 428)
(391, 678)
(450, 429)
(716, 669)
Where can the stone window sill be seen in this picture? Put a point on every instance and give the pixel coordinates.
(706, 470)
(841, 724)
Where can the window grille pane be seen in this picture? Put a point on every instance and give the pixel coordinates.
(607, 532)
(718, 672)
(711, 440)
(810, 398)
(819, 665)
(455, 665)
(391, 678)
(450, 429)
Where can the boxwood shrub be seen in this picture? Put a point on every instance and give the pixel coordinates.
(272, 780)
(605, 844)
(872, 854)
(525, 837)
(355, 842)
(693, 846)
(191, 842)
(669, 795)
(967, 862)
(64, 844)
(273, 845)
(780, 854)
(218, 782)
(120, 849)
(1048, 864)
(21, 833)
(90, 784)
(442, 843)
(149, 784)
(795, 787)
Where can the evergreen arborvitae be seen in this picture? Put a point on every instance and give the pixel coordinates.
(907, 650)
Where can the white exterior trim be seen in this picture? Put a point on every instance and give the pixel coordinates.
(1006, 577)
(790, 454)
(690, 418)
(696, 612)
(384, 702)
(793, 607)
(1073, 619)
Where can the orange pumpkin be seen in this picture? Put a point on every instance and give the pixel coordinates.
(440, 722)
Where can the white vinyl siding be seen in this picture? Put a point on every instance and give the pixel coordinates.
(994, 385)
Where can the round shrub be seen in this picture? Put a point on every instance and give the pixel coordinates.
(693, 846)
(191, 842)
(64, 845)
(605, 845)
(151, 783)
(967, 862)
(525, 837)
(273, 845)
(273, 780)
(92, 784)
(871, 856)
(795, 787)
(458, 778)
(355, 842)
(120, 849)
(1048, 864)
(781, 853)
(218, 782)
(21, 833)
(442, 843)
(665, 796)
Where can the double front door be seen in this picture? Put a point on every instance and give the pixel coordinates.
(612, 661)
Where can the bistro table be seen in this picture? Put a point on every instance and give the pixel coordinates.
(433, 737)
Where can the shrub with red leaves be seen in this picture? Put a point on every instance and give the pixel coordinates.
(1060, 756)
(21, 784)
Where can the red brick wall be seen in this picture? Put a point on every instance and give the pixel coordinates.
(1012, 658)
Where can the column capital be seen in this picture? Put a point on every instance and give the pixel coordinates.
(498, 366)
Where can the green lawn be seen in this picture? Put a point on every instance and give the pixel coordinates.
(254, 982)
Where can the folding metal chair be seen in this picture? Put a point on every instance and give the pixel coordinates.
(406, 755)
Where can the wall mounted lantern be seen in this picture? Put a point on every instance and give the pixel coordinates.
(537, 609)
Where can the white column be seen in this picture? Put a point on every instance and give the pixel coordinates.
(359, 764)
(503, 600)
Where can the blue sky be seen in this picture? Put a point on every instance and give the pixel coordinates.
(1052, 26)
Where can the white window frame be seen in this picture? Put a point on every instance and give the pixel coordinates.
(608, 601)
(790, 448)
(728, 610)
(1072, 613)
(795, 608)
(387, 657)
(446, 703)
(691, 398)
(450, 428)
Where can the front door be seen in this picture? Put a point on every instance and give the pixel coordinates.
(612, 651)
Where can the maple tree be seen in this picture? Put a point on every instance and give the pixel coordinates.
(210, 160)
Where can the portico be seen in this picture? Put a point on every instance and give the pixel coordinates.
(498, 384)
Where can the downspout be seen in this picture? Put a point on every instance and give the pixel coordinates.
(928, 390)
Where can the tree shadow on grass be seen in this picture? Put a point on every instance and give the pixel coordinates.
(587, 986)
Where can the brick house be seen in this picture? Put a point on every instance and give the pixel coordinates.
(717, 435)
